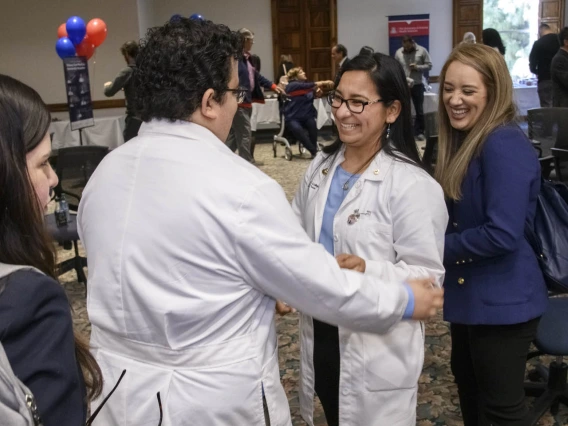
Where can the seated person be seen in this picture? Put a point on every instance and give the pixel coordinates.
(299, 112)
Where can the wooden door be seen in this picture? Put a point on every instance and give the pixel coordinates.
(551, 12)
(468, 16)
(306, 30)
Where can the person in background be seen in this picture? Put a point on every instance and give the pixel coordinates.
(415, 61)
(36, 328)
(125, 81)
(491, 37)
(339, 57)
(207, 242)
(495, 291)
(540, 58)
(559, 72)
(367, 199)
(468, 38)
(251, 81)
(299, 112)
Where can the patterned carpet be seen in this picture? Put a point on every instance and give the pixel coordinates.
(437, 400)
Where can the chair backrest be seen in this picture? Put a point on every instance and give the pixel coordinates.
(431, 124)
(430, 153)
(75, 165)
(549, 126)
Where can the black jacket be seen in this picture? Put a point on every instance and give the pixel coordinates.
(541, 55)
(36, 330)
(559, 75)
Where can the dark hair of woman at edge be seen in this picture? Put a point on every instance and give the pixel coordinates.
(389, 79)
(23, 237)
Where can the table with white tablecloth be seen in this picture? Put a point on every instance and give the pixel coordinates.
(269, 113)
(107, 131)
(526, 97)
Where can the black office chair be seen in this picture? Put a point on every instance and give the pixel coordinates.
(430, 153)
(551, 339)
(74, 167)
(548, 130)
(431, 124)
(559, 155)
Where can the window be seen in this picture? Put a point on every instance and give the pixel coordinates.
(517, 22)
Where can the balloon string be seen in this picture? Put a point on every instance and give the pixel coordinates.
(94, 75)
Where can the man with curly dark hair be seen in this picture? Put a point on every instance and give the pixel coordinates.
(189, 246)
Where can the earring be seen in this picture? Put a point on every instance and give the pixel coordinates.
(388, 130)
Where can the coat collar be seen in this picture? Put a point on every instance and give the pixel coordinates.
(182, 129)
(376, 171)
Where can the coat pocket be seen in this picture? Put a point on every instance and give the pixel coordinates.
(394, 360)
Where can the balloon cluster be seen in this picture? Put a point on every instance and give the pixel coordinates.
(77, 39)
(195, 17)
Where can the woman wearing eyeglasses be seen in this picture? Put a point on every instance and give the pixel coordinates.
(368, 200)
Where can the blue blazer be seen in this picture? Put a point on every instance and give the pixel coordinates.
(36, 330)
(492, 275)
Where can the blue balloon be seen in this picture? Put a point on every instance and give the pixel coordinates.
(76, 29)
(176, 18)
(64, 48)
(197, 17)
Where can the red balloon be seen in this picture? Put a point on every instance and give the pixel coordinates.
(85, 48)
(62, 30)
(96, 31)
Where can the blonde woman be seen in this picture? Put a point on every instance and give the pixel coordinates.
(299, 112)
(495, 292)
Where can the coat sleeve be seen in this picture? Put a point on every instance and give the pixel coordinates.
(559, 69)
(420, 217)
(263, 81)
(39, 342)
(119, 82)
(509, 166)
(427, 62)
(533, 60)
(279, 259)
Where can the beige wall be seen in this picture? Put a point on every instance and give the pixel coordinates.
(365, 22)
(28, 32)
(252, 14)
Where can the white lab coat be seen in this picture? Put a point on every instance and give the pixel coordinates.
(188, 246)
(400, 234)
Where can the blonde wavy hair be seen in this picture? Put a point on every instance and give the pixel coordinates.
(457, 148)
(293, 73)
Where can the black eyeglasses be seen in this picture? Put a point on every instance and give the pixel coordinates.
(354, 105)
(239, 92)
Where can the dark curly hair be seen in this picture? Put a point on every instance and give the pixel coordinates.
(178, 62)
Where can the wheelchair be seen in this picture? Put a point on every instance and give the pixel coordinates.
(284, 138)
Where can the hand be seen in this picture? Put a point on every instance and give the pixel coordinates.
(427, 298)
(283, 309)
(319, 93)
(279, 90)
(413, 67)
(350, 261)
(108, 84)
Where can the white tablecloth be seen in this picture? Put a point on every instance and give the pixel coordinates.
(107, 131)
(269, 113)
(526, 97)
